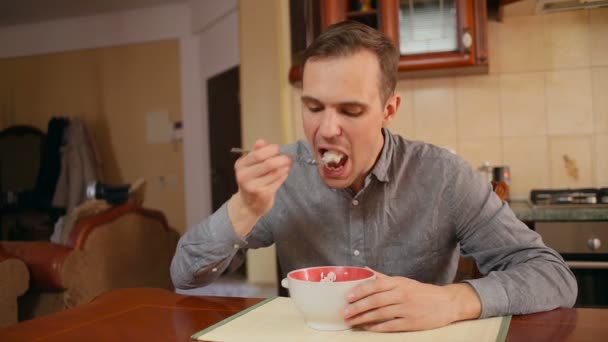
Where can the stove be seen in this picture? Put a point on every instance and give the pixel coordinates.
(586, 196)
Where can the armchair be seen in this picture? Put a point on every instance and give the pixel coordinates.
(124, 246)
(14, 279)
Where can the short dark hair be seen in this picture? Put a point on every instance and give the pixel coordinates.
(348, 37)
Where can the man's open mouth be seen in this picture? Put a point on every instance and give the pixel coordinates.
(333, 160)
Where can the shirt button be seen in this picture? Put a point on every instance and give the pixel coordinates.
(355, 202)
(356, 252)
(214, 269)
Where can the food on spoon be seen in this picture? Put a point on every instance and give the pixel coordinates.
(333, 159)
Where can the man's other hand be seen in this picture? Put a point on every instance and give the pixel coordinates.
(390, 304)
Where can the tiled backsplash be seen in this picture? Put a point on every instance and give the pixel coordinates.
(542, 109)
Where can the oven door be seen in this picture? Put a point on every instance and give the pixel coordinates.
(591, 272)
(584, 246)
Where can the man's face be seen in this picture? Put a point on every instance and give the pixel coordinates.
(343, 114)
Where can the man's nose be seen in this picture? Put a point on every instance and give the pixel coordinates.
(330, 125)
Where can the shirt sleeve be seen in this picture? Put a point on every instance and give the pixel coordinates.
(209, 248)
(522, 275)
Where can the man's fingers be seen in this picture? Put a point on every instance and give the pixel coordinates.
(270, 178)
(381, 313)
(379, 285)
(251, 172)
(393, 325)
(372, 302)
(259, 143)
(259, 154)
(276, 184)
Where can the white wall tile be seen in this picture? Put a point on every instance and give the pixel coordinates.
(478, 151)
(601, 160)
(493, 46)
(477, 107)
(598, 31)
(569, 108)
(434, 110)
(566, 39)
(599, 82)
(522, 101)
(520, 45)
(528, 160)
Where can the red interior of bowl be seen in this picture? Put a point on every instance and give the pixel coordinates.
(343, 273)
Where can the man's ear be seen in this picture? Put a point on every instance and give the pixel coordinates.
(391, 108)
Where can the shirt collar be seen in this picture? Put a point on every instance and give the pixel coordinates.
(380, 170)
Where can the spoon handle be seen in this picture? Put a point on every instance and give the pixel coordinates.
(310, 161)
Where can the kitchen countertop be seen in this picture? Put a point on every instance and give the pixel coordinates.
(526, 211)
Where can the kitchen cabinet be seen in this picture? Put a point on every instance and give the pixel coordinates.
(430, 34)
(444, 36)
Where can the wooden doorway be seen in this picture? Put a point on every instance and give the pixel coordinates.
(224, 107)
(224, 133)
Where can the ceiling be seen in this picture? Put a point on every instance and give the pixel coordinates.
(29, 11)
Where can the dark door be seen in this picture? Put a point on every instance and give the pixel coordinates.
(224, 133)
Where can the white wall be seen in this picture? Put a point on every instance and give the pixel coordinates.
(208, 35)
(215, 25)
(265, 95)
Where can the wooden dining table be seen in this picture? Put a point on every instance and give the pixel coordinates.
(148, 314)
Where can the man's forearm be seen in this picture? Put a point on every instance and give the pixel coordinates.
(205, 251)
(547, 285)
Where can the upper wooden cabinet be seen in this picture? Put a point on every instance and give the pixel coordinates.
(433, 36)
(430, 34)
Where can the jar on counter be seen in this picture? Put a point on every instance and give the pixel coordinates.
(501, 173)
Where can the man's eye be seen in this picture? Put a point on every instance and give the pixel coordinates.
(315, 109)
(354, 112)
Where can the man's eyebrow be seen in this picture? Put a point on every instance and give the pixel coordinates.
(354, 103)
(309, 98)
(347, 103)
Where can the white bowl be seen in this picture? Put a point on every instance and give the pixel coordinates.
(320, 293)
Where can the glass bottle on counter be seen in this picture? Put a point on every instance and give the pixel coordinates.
(486, 170)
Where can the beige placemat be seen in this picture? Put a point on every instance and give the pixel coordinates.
(277, 319)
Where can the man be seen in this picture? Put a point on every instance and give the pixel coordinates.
(405, 209)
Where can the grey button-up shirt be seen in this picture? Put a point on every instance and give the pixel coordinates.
(420, 208)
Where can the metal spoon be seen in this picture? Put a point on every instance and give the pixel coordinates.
(309, 161)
